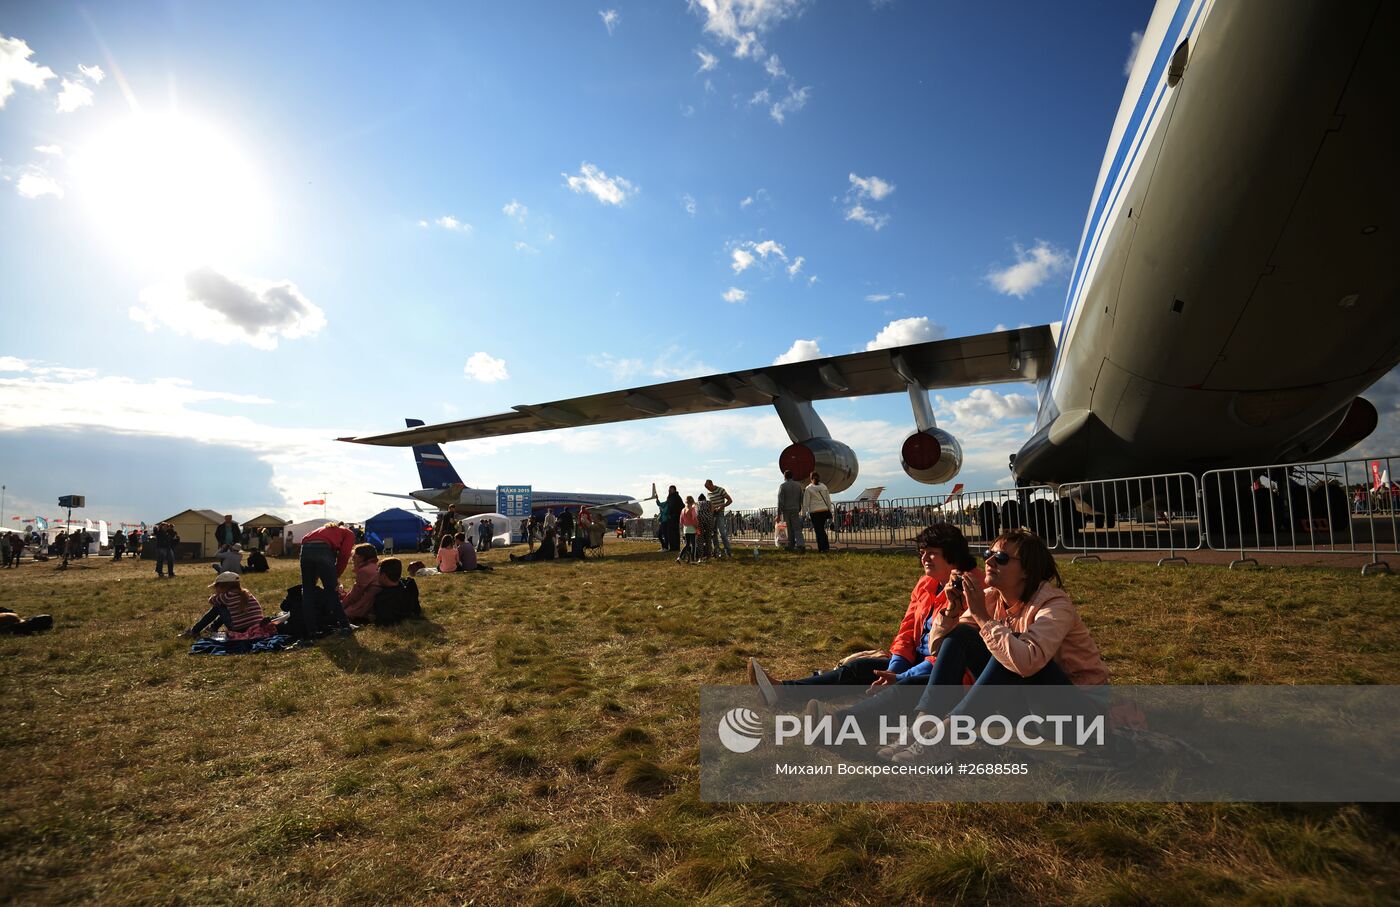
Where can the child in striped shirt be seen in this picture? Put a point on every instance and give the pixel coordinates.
(233, 607)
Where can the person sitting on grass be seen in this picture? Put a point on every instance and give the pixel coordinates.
(235, 608)
(229, 559)
(943, 550)
(1023, 630)
(257, 562)
(543, 553)
(447, 557)
(359, 603)
(466, 555)
(397, 598)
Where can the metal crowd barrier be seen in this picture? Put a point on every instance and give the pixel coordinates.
(1340, 507)
(1141, 513)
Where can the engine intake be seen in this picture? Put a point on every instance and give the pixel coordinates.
(833, 461)
(931, 456)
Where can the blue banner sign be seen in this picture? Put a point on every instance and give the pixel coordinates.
(514, 502)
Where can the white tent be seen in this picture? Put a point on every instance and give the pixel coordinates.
(500, 528)
(293, 533)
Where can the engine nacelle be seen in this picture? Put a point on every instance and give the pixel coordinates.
(931, 456)
(833, 461)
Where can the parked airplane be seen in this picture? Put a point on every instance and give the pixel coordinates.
(1233, 293)
(444, 490)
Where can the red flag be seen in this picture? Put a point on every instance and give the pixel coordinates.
(304, 503)
(1375, 473)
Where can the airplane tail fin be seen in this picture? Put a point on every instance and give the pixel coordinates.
(434, 469)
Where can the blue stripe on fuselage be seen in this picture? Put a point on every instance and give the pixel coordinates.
(1130, 144)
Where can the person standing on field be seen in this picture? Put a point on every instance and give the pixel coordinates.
(816, 500)
(790, 498)
(719, 500)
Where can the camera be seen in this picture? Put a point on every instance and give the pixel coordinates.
(957, 583)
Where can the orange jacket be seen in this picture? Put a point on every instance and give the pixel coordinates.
(927, 598)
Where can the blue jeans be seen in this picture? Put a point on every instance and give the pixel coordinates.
(165, 554)
(963, 650)
(723, 532)
(318, 565)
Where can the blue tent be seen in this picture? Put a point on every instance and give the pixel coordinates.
(403, 527)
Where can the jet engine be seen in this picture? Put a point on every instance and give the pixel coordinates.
(833, 461)
(931, 456)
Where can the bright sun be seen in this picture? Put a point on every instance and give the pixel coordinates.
(171, 192)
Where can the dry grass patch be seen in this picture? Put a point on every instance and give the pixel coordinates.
(534, 741)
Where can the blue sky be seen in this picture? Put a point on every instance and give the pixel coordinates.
(235, 232)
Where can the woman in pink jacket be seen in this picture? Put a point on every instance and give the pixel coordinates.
(1024, 630)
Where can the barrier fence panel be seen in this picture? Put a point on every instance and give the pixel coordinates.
(1341, 506)
(1141, 513)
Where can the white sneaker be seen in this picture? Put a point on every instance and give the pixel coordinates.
(759, 678)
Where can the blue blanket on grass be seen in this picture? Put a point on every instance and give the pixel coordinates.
(278, 643)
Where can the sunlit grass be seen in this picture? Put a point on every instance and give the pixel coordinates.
(535, 741)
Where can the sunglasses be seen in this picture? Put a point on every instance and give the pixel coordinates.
(1001, 557)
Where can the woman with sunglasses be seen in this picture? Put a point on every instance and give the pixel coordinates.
(1023, 630)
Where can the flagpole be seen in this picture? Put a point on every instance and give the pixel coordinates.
(325, 496)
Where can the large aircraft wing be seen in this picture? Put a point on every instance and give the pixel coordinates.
(1020, 354)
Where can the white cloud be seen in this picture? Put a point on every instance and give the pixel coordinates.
(522, 246)
(485, 368)
(796, 266)
(225, 309)
(878, 297)
(872, 219)
(759, 97)
(17, 69)
(448, 222)
(740, 22)
(905, 331)
(92, 73)
(871, 187)
(769, 247)
(867, 188)
(516, 211)
(73, 96)
(743, 255)
(984, 407)
(1134, 45)
(49, 149)
(35, 183)
(734, 294)
(774, 67)
(799, 351)
(610, 19)
(688, 202)
(796, 99)
(609, 190)
(13, 364)
(673, 363)
(1033, 267)
(708, 61)
(747, 200)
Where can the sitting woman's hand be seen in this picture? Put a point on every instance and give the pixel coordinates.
(882, 679)
(971, 594)
(957, 600)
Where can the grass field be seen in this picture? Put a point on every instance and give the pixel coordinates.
(535, 741)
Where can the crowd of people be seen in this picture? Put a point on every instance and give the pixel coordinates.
(696, 527)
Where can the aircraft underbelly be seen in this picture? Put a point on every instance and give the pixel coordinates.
(1247, 290)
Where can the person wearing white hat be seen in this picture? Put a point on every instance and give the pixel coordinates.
(230, 606)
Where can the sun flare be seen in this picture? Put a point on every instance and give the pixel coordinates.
(171, 192)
